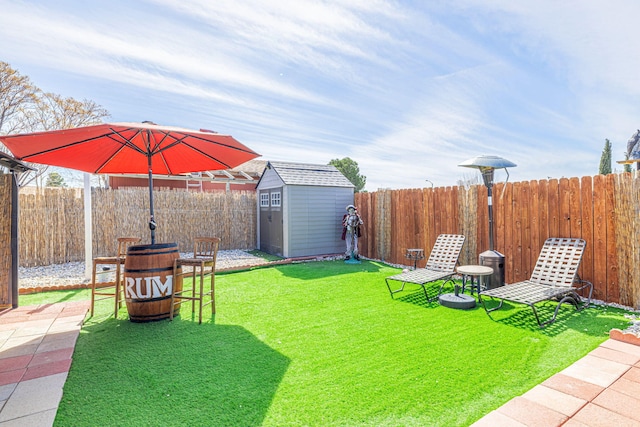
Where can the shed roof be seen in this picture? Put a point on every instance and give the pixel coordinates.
(309, 174)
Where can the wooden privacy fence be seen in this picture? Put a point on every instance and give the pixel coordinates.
(52, 221)
(603, 210)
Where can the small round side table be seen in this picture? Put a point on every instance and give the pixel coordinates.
(477, 271)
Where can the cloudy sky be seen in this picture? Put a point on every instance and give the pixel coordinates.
(408, 89)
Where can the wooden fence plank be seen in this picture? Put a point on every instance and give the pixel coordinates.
(517, 254)
(599, 238)
(453, 226)
(575, 213)
(428, 209)
(587, 227)
(575, 208)
(564, 202)
(525, 218)
(554, 208)
(543, 213)
(535, 241)
(613, 291)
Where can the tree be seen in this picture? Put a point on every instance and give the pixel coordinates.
(350, 169)
(627, 166)
(605, 159)
(17, 94)
(25, 108)
(54, 179)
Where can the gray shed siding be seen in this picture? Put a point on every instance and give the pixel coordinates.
(313, 200)
(270, 179)
(312, 219)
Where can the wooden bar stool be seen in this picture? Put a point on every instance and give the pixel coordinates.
(203, 263)
(116, 289)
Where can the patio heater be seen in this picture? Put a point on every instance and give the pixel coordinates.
(491, 258)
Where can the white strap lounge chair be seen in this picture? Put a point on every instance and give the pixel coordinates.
(554, 279)
(440, 266)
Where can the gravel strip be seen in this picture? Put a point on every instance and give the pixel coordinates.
(72, 273)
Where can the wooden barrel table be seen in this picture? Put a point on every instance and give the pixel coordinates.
(149, 281)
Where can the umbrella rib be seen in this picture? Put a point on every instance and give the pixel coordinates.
(51, 150)
(124, 142)
(223, 144)
(186, 144)
(158, 151)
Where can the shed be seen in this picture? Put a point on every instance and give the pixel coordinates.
(300, 209)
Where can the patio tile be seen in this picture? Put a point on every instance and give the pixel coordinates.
(624, 386)
(18, 350)
(10, 319)
(6, 390)
(615, 355)
(79, 308)
(597, 416)
(58, 327)
(58, 341)
(595, 370)
(5, 335)
(496, 419)
(619, 403)
(47, 369)
(574, 386)
(632, 374)
(40, 419)
(39, 327)
(573, 423)
(50, 309)
(622, 346)
(34, 396)
(13, 363)
(15, 342)
(531, 414)
(11, 377)
(51, 356)
(60, 335)
(554, 399)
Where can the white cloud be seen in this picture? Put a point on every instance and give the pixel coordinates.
(406, 90)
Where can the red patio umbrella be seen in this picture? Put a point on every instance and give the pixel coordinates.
(131, 148)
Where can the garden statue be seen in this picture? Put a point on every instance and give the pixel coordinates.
(633, 149)
(351, 223)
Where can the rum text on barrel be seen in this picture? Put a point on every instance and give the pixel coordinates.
(149, 281)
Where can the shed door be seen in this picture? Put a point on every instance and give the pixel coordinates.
(271, 221)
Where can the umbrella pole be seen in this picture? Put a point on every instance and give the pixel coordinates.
(152, 222)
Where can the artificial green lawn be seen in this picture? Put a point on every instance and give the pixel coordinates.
(316, 344)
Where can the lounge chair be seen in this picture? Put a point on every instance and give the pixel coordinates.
(554, 278)
(440, 266)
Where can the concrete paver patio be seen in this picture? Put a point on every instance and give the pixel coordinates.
(36, 349)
